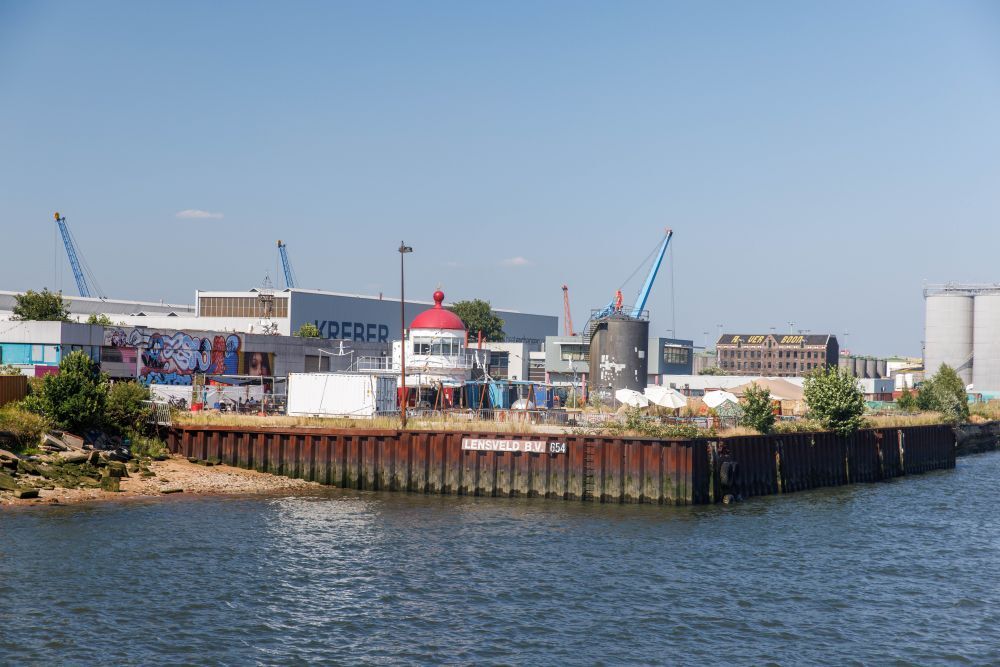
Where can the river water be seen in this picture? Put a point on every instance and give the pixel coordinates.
(903, 572)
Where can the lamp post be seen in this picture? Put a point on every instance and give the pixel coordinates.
(403, 249)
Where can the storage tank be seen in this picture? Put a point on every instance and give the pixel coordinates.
(986, 343)
(948, 333)
(871, 368)
(857, 367)
(881, 367)
(619, 356)
(846, 364)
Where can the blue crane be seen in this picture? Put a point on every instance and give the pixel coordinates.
(615, 305)
(286, 265)
(74, 261)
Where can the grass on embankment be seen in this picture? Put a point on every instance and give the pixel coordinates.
(375, 423)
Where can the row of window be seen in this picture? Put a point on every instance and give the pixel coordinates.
(241, 306)
(788, 354)
(761, 365)
(440, 347)
(673, 354)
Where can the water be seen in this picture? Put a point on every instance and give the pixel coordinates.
(903, 572)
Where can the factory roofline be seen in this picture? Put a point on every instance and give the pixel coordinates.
(98, 300)
(286, 290)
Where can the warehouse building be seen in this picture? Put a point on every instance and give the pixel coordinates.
(776, 355)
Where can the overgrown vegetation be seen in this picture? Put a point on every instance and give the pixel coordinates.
(835, 400)
(75, 398)
(126, 410)
(80, 398)
(21, 430)
(308, 330)
(42, 306)
(758, 413)
(712, 370)
(101, 319)
(9, 369)
(907, 402)
(945, 393)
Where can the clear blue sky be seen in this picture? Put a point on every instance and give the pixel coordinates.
(818, 162)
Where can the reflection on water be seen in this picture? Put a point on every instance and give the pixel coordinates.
(903, 571)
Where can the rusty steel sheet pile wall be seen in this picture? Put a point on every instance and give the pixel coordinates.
(611, 470)
(573, 467)
(785, 463)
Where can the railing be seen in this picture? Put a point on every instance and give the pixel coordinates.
(159, 414)
(418, 363)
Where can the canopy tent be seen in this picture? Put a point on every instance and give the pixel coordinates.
(781, 390)
(665, 397)
(714, 399)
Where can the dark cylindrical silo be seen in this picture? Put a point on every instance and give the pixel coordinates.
(619, 358)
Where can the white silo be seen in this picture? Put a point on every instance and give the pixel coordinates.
(948, 333)
(986, 343)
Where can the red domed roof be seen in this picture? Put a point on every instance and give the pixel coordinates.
(437, 317)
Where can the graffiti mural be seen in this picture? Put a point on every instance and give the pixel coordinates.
(175, 358)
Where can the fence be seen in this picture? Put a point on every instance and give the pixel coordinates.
(13, 388)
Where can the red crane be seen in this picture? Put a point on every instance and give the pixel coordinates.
(567, 318)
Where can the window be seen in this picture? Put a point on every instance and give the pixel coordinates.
(571, 352)
(673, 354)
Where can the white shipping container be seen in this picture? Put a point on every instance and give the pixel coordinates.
(340, 394)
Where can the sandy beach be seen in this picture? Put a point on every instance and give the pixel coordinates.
(176, 475)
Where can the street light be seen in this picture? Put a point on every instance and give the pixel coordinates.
(403, 249)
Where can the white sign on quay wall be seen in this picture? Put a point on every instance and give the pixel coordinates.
(498, 445)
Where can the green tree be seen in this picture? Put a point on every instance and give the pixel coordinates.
(126, 409)
(835, 400)
(308, 330)
(758, 412)
(945, 393)
(907, 402)
(711, 370)
(73, 399)
(477, 315)
(101, 319)
(44, 306)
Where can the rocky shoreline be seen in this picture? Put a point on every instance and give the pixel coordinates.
(52, 481)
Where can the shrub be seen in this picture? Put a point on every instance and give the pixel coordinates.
(75, 398)
(308, 330)
(24, 428)
(9, 369)
(907, 402)
(945, 393)
(125, 407)
(835, 400)
(145, 446)
(757, 411)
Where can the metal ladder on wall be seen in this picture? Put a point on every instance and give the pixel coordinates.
(588, 471)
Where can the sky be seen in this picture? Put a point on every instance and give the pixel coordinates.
(818, 162)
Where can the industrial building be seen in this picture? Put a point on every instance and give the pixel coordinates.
(777, 355)
(962, 330)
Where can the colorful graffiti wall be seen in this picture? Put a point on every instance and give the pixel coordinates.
(175, 358)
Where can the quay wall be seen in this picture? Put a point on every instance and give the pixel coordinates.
(569, 466)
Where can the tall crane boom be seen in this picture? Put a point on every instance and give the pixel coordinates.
(74, 261)
(286, 265)
(567, 317)
(640, 303)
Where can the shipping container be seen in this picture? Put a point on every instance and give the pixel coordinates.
(340, 394)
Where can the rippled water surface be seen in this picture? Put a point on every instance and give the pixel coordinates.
(900, 572)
